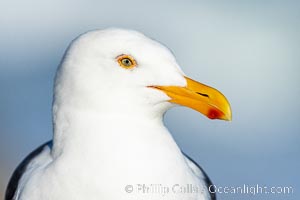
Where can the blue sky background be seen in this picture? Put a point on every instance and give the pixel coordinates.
(249, 50)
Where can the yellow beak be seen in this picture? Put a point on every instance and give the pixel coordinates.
(200, 97)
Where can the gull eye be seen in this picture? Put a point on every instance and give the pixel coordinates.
(126, 61)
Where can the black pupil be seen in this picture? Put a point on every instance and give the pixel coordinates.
(126, 62)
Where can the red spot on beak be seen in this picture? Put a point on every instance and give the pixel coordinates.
(214, 114)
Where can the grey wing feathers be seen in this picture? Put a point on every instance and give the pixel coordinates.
(200, 172)
(20, 170)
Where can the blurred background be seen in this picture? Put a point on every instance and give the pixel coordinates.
(249, 50)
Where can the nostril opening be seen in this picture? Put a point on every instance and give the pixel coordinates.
(205, 95)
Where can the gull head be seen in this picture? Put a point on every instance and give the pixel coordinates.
(117, 71)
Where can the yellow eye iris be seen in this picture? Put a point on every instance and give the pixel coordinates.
(126, 61)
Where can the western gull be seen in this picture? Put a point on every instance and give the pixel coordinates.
(111, 91)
